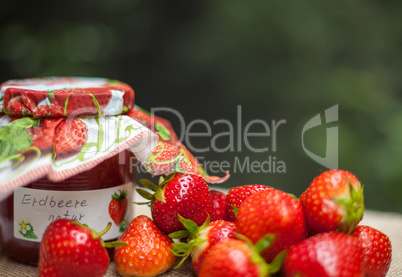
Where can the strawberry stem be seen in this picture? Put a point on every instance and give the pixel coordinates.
(261, 245)
(181, 249)
(111, 244)
(101, 233)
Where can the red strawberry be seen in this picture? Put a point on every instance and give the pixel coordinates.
(200, 239)
(185, 164)
(82, 101)
(70, 136)
(326, 254)
(162, 157)
(236, 258)
(69, 248)
(236, 196)
(148, 250)
(377, 251)
(48, 110)
(219, 203)
(43, 135)
(184, 194)
(333, 202)
(118, 207)
(20, 105)
(20, 101)
(275, 213)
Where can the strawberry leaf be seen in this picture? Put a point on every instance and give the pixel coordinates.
(353, 206)
(276, 263)
(145, 194)
(14, 138)
(111, 244)
(206, 223)
(180, 249)
(190, 225)
(148, 184)
(181, 234)
(264, 242)
(197, 241)
(159, 195)
(142, 203)
(294, 196)
(162, 131)
(235, 210)
(119, 196)
(166, 180)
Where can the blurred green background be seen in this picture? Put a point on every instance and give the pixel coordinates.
(277, 60)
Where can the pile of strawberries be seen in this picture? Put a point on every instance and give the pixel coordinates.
(253, 230)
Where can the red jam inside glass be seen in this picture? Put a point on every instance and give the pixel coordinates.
(110, 173)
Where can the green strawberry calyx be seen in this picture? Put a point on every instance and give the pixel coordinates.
(157, 191)
(119, 196)
(265, 268)
(98, 235)
(192, 231)
(353, 206)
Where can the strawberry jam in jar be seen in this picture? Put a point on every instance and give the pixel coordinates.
(64, 154)
(87, 197)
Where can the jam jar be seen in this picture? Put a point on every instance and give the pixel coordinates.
(67, 132)
(85, 197)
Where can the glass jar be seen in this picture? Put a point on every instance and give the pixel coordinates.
(86, 197)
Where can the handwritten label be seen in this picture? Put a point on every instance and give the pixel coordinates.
(34, 209)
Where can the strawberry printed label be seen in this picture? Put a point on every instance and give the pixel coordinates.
(35, 209)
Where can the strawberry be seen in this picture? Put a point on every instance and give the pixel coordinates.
(20, 105)
(272, 213)
(20, 101)
(238, 258)
(184, 194)
(200, 239)
(148, 250)
(185, 164)
(43, 135)
(118, 207)
(377, 250)
(236, 196)
(333, 202)
(219, 204)
(325, 254)
(48, 110)
(162, 157)
(69, 137)
(82, 101)
(69, 248)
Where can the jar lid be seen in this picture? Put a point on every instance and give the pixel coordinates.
(61, 147)
(65, 96)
